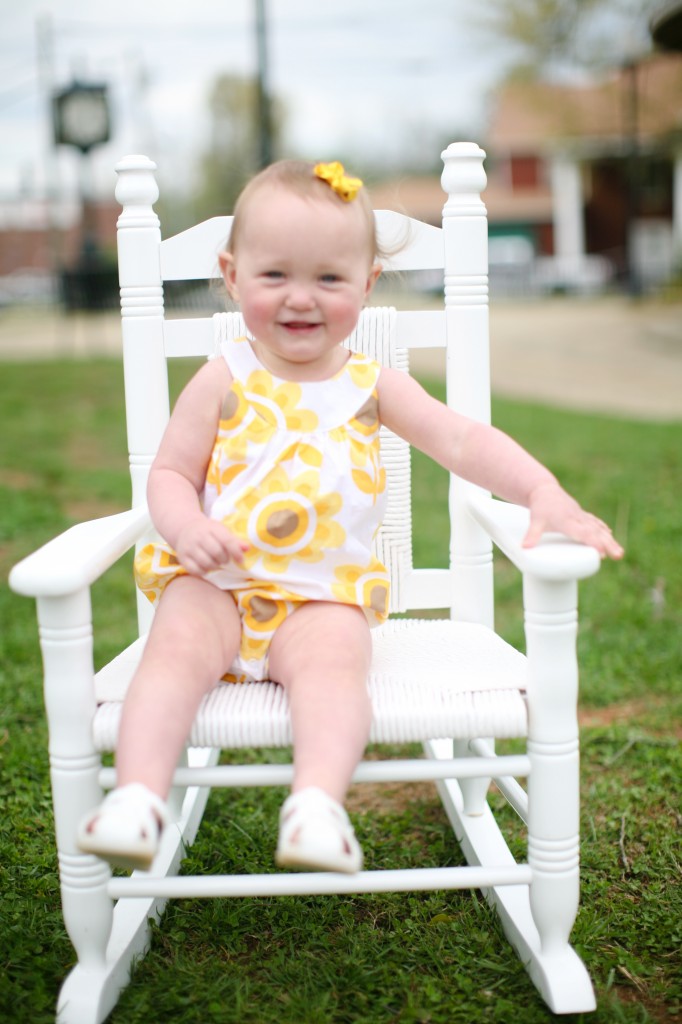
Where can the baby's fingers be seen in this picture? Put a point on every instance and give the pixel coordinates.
(222, 547)
(235, 548)
(534, 533)
(588, 530)
(606, 544)
(595, 533)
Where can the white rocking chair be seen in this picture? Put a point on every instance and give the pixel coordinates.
(451, 683)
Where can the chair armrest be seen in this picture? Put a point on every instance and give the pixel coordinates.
(79, 556)
(555, 558)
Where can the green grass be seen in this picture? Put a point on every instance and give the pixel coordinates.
(426, 957)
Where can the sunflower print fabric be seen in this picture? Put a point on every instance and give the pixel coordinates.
(296, 472)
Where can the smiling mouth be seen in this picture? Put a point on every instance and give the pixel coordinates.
(299, 326)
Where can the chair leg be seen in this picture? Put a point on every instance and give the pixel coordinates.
(553, 841)
(66, 642)
(86, 905)
(92, 990)
(107, 938)
(474, 791)
(177, 794)
(551, 623)
(558, 974)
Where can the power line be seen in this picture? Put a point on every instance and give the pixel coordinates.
(18, 93)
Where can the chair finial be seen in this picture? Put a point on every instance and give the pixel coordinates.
(136, 185)
(463, 176)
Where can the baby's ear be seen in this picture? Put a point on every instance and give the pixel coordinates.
(227, 269)
(372, 277)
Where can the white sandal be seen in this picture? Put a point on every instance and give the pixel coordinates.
(315, 833)
(126, 828)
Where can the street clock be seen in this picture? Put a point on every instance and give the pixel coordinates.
(81, 116)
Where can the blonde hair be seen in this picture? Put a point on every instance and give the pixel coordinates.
(299, 177)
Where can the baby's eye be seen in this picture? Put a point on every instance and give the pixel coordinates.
(329, 278)
(273, 275)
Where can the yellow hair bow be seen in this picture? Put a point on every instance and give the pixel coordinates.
(335, 176)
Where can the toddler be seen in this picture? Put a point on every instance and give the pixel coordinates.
(267, 490)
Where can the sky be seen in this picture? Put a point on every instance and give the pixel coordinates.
(372, 78)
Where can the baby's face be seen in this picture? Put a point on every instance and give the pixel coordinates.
(301, 273)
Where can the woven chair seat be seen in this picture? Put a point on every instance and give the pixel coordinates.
(478, 690)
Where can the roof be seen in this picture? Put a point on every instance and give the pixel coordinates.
(418, 196)
(423, 198)
(535, 116)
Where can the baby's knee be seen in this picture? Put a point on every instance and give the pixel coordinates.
(197, 624)
(322, 638)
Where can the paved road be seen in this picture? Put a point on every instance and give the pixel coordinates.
(612, 354)
(609, 355)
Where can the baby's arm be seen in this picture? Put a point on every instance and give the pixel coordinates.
(177, 476)
(488, 457)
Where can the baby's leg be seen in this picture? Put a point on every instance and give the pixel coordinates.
(321, 655)
(194, 637)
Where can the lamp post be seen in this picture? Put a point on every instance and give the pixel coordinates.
(632, 163)
(81, 119)
(665, 27)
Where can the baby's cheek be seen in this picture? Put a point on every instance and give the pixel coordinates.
(257, 311)
(345, 314)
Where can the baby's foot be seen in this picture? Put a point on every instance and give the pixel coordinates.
(126, 828)
(316, 833)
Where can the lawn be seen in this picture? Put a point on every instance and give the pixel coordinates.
(425, 957)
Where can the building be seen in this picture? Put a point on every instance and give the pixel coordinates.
(584, 181)
(44, 249)
(603, 165)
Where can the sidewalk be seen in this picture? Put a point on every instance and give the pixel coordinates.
(608, 355)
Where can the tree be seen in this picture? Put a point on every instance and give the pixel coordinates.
(554, 35)
(234, 146)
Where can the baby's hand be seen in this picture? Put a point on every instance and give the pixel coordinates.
(552, 509)
(204, 545)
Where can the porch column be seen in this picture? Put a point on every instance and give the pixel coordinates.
(567, 207)
(677, 208)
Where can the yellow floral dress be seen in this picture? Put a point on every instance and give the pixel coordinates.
(296, 472)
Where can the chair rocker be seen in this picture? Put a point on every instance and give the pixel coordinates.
(451, 683)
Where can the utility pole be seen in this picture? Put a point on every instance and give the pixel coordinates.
(46, 78)
(632, 165)
(263, 113)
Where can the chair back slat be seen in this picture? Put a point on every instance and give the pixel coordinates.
(194, 337)
(192, 255)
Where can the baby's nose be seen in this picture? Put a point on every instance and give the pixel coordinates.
(300, 297)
